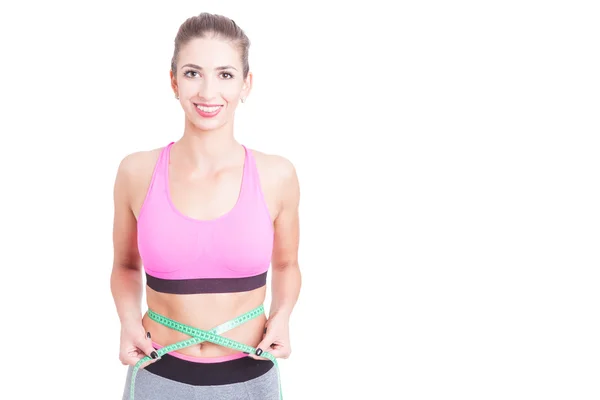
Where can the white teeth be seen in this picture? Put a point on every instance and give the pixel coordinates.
(208, 109)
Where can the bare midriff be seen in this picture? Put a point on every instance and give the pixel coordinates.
(205, 311)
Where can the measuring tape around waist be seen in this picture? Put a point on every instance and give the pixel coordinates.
(199, 336)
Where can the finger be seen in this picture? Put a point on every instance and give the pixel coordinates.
(146, 363)
(252, 355)
(146, 347)
(280, 351)
(264, 345)
(132, 358)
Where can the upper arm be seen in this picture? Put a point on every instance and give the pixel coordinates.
(286, 224)
(125, 224)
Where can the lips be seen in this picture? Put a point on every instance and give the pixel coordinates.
(208, 110)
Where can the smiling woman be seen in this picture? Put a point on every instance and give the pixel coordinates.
(204, 218)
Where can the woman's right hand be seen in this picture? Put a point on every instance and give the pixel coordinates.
(136, 344)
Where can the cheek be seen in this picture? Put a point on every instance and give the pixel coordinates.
(231, 95)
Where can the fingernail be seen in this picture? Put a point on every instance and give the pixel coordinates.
(148, 334)
(154, 355)
(258, 352)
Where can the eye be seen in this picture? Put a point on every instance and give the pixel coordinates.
(228, 74)
(189, 71)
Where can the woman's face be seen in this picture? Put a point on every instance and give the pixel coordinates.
(209, 80)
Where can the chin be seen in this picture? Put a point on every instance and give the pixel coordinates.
(208, 125)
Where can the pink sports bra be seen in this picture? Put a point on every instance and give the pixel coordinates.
(182, 255)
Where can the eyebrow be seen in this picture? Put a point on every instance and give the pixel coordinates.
(218, 68)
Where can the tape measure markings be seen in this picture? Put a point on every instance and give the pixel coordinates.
(199, 336)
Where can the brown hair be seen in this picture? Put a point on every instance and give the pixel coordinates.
(206, 24)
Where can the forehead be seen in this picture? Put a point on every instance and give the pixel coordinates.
(209, 53)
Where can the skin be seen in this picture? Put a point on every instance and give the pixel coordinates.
(204, 180)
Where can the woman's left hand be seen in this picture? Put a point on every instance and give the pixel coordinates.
(276, 339)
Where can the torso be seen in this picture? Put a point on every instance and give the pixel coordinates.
(204, 198)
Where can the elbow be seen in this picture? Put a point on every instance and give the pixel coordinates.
(285, 266)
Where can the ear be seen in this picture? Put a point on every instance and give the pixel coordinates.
(247, 86)
(173, 82)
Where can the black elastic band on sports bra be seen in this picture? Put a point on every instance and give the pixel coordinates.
(206, 285)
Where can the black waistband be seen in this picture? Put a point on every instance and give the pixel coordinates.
(204, 374)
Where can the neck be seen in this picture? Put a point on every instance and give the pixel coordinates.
(207, 149)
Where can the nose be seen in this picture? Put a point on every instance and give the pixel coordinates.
(207, 88)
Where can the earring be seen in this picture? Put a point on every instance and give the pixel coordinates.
(243, 99)
(176, 96)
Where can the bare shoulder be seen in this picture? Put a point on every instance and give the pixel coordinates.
(134, 175)
(136, 165)
(279, 181)
(274, 168)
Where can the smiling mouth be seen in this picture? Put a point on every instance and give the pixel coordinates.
(207, 108)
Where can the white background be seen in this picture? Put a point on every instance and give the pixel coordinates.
(448, 158)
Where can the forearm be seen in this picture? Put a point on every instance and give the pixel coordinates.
(286, 282)
(126, 288)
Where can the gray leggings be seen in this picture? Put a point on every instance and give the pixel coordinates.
(149, 386)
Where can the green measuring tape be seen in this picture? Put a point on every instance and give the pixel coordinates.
(199, 336)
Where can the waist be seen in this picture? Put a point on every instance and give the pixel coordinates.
(205, 311)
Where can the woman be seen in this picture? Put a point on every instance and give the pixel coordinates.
(205, 217)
